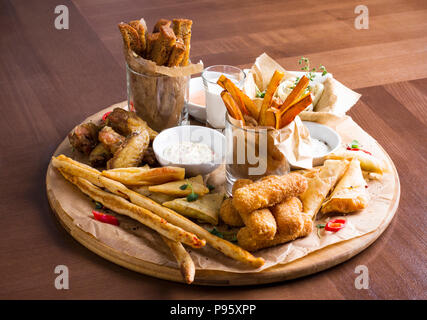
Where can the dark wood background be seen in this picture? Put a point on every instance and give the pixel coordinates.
(50, 80)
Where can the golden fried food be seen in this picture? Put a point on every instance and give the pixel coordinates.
(122, 206)
(99, 156)
(174, 188)
(185, 263)
(350, 193)
(260, 223)
(246, 241)
(84, 137)
(182, 29)
(177, 54)
(269, 191)
(288, 216)
(130, 153)
(130, 38)
(127, 122)
(141, 29)
(230, 215)
(151, 39)
(240, 183)
(145, 176)
(111, 139)
(161, 22)
(162, 47)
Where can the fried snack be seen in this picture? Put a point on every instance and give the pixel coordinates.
(246, 241)
(320, 182)
(144, 216)
(174, 188)
(68, 165)
(288, 216)
(127, 122)
(350, 193)
(84, 137)
(232, 107)
(158, 197)
(111, 139)
(269, 191)
(130, 38)
(285, 118)
(143, 176)
(161, 22)
(162, 47)
(229, 214)
(270, 117)
(141, 29)
(130, 153)
(177, 54)
(99, 156)
(297, 92)
(240, 184)
(367, 162)
(185, 263)
(182, 29)
(269, 93)
(151, 39)
(261, 224)
(205, 208)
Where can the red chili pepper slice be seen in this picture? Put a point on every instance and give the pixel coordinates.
(104, 117)
(131, 107)
(106, 218)
(335, 225)
(358, 149)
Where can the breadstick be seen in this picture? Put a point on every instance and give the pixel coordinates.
(163, 46)
(182, 29)
(161, 22)
(177, 55)
(186, 264)
(130, 38)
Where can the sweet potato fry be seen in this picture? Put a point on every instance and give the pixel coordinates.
(248, 105)
(297, 92)
(231, 106)
(269, 93)
(289, 115)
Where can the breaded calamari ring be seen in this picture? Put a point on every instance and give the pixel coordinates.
(268, 192)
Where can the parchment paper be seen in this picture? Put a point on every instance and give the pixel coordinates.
(136, 240)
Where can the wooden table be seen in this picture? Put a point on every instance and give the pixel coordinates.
(52, 79)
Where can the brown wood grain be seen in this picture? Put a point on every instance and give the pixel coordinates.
(51, 79)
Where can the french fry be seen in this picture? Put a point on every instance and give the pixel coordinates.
(185, 263)
(269, 93)
(146, 177)
(297, 92)
(144, 216)
(231, 106)
(289, 115)
(226, 247)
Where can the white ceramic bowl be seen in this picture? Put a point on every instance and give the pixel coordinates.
(212, 138)
(325, 134)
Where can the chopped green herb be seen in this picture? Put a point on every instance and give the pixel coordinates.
(98, 205)
(310, 71)
(192, 197)
(215, 232)
(210, 187)
(320, 226)
(183, 187)
(355, 144)
(260, 94)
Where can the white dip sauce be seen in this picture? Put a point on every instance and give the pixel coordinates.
(320, 148)
(188, 153)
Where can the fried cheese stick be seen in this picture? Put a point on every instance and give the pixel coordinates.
(288, 216)
(183, 258)
(230, 215)
(246, 241)
(268, 191)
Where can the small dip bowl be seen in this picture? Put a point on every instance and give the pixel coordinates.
(196, 134)
(325, 135)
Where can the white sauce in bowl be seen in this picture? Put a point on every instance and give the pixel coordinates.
(188, 153)
(320, 148)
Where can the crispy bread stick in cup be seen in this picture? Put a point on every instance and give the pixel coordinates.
(185, 263)
(226, 247)
(130, 38)
(124, 207)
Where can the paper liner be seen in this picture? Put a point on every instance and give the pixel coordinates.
(138, 241)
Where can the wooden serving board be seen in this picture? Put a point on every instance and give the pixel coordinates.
(312, 263)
